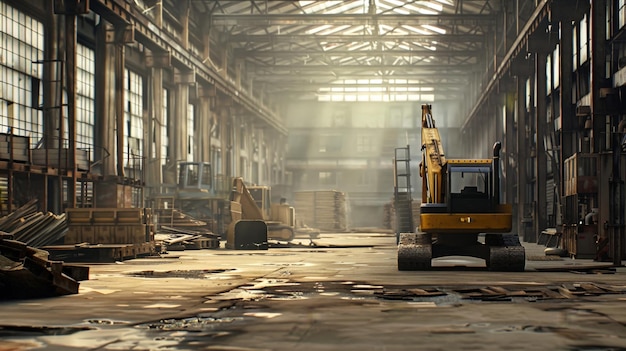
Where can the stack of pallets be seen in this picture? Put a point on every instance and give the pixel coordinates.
(326, 210)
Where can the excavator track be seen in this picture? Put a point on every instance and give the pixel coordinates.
(502, 252)
(415, 252)
(506, 253)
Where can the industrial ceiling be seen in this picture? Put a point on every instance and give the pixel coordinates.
(356, 50)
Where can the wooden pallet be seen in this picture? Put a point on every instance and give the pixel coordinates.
(101, 253)
(202, 243)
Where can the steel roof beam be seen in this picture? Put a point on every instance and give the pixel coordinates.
(350, 38)
(308, 86)
(355, 53)
(460, 78)
(416, 68)
(264, 20)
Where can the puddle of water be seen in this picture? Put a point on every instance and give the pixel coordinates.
(292, 296)
(239, 294)
(365, 286)
(423, 304)
(196, 323)
(264, 283)
(267, 315)
(187, 274)
(363, 292)
(161, 305)
(223, 277)
(284, 264)
(105, 322)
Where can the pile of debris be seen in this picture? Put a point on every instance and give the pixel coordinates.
(36, 229)
(178, 231)
(26, 272)
(179, 239)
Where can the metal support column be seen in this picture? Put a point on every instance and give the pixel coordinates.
(119, 97)
(522, 155)
(541, 210)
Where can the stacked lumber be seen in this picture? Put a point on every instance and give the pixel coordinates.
(326, 210)
(179, 231)
(178, 239)
(36, 229)
(26, 272)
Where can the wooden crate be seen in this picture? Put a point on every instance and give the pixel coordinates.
(14, 148)
(108, 215)
(60, 159)
(78, 215)
(130, 215)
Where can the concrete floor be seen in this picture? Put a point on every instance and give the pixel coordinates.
(320, 298)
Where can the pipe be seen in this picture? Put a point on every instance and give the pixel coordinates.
(589, 217)
(497, 146)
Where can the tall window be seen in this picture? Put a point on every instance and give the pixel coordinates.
(549, 74)
(190, 132)
(85, 99)
(21, 46)
(556, 67)
(584, 40)
(133, 113)
(575, 47)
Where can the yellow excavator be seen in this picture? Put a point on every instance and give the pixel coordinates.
(460, 200)
(244, 214)
(254, 219)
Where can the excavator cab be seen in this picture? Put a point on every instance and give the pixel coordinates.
(469, 188)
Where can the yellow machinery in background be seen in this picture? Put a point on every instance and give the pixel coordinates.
(254, 219)
(460, 200)
(280, 217)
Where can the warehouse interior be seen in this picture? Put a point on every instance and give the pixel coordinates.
(110, 110)
(101, 101)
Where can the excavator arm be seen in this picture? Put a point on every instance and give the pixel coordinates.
(432, 168)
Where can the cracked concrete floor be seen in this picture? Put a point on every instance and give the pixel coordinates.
(320, 298)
